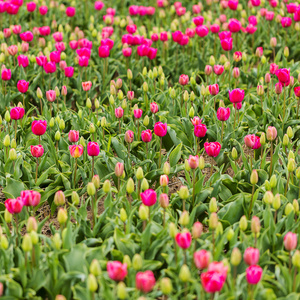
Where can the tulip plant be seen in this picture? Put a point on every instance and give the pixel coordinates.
(149, 152)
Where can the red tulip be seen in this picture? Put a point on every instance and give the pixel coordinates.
(69, 71)
(213, 89)
(286, 22)
(212, 149)
(200, 130)
(37, 151)
(6, 74)
(116, 270)
(232, 4)
(45, 30)
(283, 76)
(223, 113)
(236, 95)
(148, 197)
(39, 127)
(93, 149)
(70, 11)
(297, 91)
(226, 44)
(198, 21)
(14, 206)
(22, 86)
(224, 35)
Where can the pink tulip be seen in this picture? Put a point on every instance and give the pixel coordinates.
(213, 89)
(234, 25)
(146, 136)
(145, 281)
(223, 113)
(69, 71)
(232, 4)
(14, 206)
(218, 69)
(103, 51)
(224, 35)
(160, 129)
(183, 239)
(70, 11)
(73, 136)
(37, 151)
(43, 10)
(137, 113)
(196, 121)
(39, 127)
(22, 86)
(153, 107)
(278, 88)
(193, 161)
(212, 149)
(98, 5)
(201, 259)
(202, 31)
(129, 136)
(17, 113)
(200, 130)
(290, 241)
(119, 169)
(236, 95)
(26, 36)
(93, 149)
(297, 91)
(51, 95)
(30, 198)
(271, 133)
(41, 60)
(251, 256)
(50, 67)
(119, 112)
(226, 44)
(127, 52)
(252, 141)
(6, 74)
(253, 274)
(31, 6)
(86, 86)
(116, 270)
(286, 22)
(283, 76)
(76, 150)
(164, 180)
(23, 61)
(149, 197)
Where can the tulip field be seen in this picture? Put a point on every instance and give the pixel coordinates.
(149, 150)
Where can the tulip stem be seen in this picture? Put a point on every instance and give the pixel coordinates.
(234, 118)
(194, 179)
(160, 146)
(93, 161)
(23, 100)
(271, 163)
(222, 131)
(75, 171)
(294, 279)
(290, 262)
(16, 128)
(298, 107)
(283, 105)
(175, 252)
(261, 102)
(251, 202)
(164, 219)
(287, 184)
(36, 170)
(17, 230)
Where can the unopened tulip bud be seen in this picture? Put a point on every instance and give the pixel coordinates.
(137, 262)
(276, 202)
(26, 243)
(285, 140)
(260, 90)
(262, 139)
(230, 234)
(263, 59)
(130, 186)
(4, 242)
(268, 197)
(213, 206)
(290, 132)
(7, 116)
(291, 165)
(92, 284)
(121, 291)
(183, 192)
(197, 230)
(31, 224)
(75, 198)
(273, 42)
(12, 154)
(187, 165)
(57, 241)
(51, 123)
(62, 216)
(243, 223)
(61, 125)
(166, 286)
(212, 60)
(291, 155)
(219, 229)
(213, 221)
(184, 273)
(144, 184)
(145, 87)
(201, 163)
(39, 93)
(34, 237)
(59, 198)
(288, 209)
(106, 186)
(91, 190)
(82, 142)
(255, 224)
(127, 261)
(123, 215)
(129, 74)
(143, 212)
(139, 174)
(254, 177)
(95, 267)
(296, 205)
(166, 168)
(296, 259)
(103, 122)
(236, 72)
(172, 230)
(286, 52)
(184, 218)
(88, 103)
(236, 257)
(7, 216)
(298, 173)
(146, 121)
(234, 153)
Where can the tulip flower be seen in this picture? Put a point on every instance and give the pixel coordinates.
(160, 129)
(223, 114)
(76, 151)
(37, 151)
(212, 149)
(290, 241)
(38, 127)
(30, 198)
(23, 61)
(202, 259)
(251, 256)
(145, 281)
(253, 274)
(218, 69)
(149, 198)
(252, 141)
(116, 270)
(73, 136)
(183, 79)
(70, 11)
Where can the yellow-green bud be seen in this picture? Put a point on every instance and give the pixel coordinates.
(7, 116)
(106, 186)
(236, 257)
(26, 243)
(12, 154)
(88, 103)
(7, 216)
(187, 165)
(137, 262)
(34, 237)
(120, 95)
(276, 202)
(184, 274)
(143, 212)
(103, 122)
(57, 119)
(146, 121)
(243, 223)
(129, 74)
(201, 163)
(123, 215)
(230, 234)
(255, 225)
(290, 132)
(144, 71)
(234, 153)
(95, 267)
(166, 168)
(273, 181)
(291, 165)
(57, 136)
(62, 216)
(52, 122)
(172, 230)
(263, 59)
(184, 218)
(268, 197)
(227, 66)
(296, 205)
(150, 74)
(288, 209)
(219, 230)
(173, 93)
(96, 181)
(285, 140)
(61, 124)
(92, 128)
(57, 241)
(91, 190)
(192, 96)
(296, 259)
(291, 155)
(263, 139)
(75, 198)
(212, 60)
(31, 224)
(39, 93)
(97, 103)
(121, 291)
(244, 56)
(4, 242)
(184, 192)
(213, 206)
(127, 260)
(130, 186)
(186, 96)
(268, 185)
(139, 174)
(144, 184)
(191, 112)
(166, 286)
(286, 52)
(92, 284)
(111, 100)
(213, 221)
(145, 87)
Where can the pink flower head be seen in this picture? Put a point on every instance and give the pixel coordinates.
(103, 51)
(55, 56)
(200, 130)
(69, 71)
(6, 74)
(14, 206)
(50, 67)
(198, 21)
(224, 35)
(70, 11)
(215, 28)
(193, 161)
(218, 69)
(76, 150)
(137, 113)
(226, 44)
(223, 113)
(86, 86)
(43, 10)
(202, 30)
(51, 95)
(23, 61)
(148, 197)
(30, 198)
(129, 136)
(212, 149)
(160, 129)
(26, 36)
(251, 256)
(213, 89)
(22, 86)
(73, 136)
(145, 281)
(146, 136)
(17, 113)
(119, 112)
(183, 239)
(93, 149)
(37, 151)
(286, 22)
(45, 30)
(41, 60)
(253, 274)
(196, 121)
(127, 51)
(283, 76)
(234, 25)
(202, 259)
(252, 141)
(38, 127)
(290, 241)
(153, 107)
(236, 95)
(297, 91)
(98, 5)
(116, 270)
(183, 79)
(31, 6)
(232, 4)
(273, 68)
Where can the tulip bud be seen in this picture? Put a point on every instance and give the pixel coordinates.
(59, 198)
(31, 224)
(26, 243)
(95, 267)
(123, 215)
(267, 78)
(143, 212)
(111, 100)
(288, 209)
(91, 190)
(184, 218)
(273, 181)
(227, 66)
(106, 186)
(223, 59)
(260, 90)
(7, 116)
(4, 242)
(254, 177)
(139, 174)
(187, 165)
(52, 122)
(145, 87)
(236, 257)
(291, 165)
(212, 60)
(296, 259)
(201, 163)
(127, 261)
(164, 200)
(103, 122)
(121, 291)
(291, 155)
(34, 237)
(296, 205)
(234, 153)
(39, 93)
(166, 168)
(57, 241)
(213, 206)
(263, 59)
(75, 198)
(184, 274)
(12, 154)
(230, 234)
(172, 230)
(268, 197)
(243, 223)
(92, 128)
(197, 230)
(286, 51)
(166, 286)
(192, 97)
(298, 173)
(255, 225)
(273, 42)
(290, 132)
(276, 202)
(61, 124)
(92, 284)
(57, 136)
(285, 140)
(183, 192)
(213, 221)
(219, 230)
(62, 216)
(7, 216)
(129, 74)
(137, 262)
(130, 186)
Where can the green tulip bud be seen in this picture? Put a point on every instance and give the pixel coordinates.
(184, 192)
(291, 155)
(137, 262)
(288, 209)
(26, 243)
(290, 132)
(123, 215)
(230, 234)
(130, 186)
(172, 230)
(34, 237)
(121, 291)
(212, 60)
(4, 242)
(143, 212)
(285, 140)
(213, 221)
(7, 116)
(296, 205)
(291, 165)
(184, 274)
(146, 121)
(61, 124)
(92, 284)
(184, 218)
(286, 51)
(213, 206)
(234, 153)
(57, 241)
(106, 186)
(243, 223)
(95, 267)
(91, 190)
(236, 257)
(166, 286)
(31, 224)
(39, 93)
(219, 229)
(144, 184)
(191, 112)
(139, 174)
(201, 163)
(186, 96)
(276, 202)
(268, 197)
(187, 165)
(7, 216)
(12, 154)
(57, 136)
(129, 74)
(62, 216)
(75, 198)
(296, 259)
(273, 181)
(145, 87)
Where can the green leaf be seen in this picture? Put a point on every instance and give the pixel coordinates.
(175, 155)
